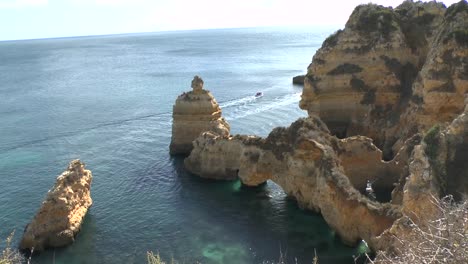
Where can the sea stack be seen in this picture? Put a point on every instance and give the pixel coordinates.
(62, 212)
(387, 129)
(195, 112)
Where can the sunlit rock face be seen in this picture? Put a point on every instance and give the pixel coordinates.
(440, 88)
(195, 112)
(62, 212)
(331, 175)
(391, 72)
(304, 159)
(387, 128)
(437, 168)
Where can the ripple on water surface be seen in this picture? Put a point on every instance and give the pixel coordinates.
(108, 101)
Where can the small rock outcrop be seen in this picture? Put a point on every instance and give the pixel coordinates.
(298, 79)
(195, 112)
(62, 212)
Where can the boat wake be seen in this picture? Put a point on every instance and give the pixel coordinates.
(232, 110)
(250, 105)
(238, 102)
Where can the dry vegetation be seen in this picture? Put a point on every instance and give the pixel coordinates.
(442, 241)
(9, 255)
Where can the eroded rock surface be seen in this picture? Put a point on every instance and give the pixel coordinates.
(195, 112)
(62, 212)
(391, 72)
(304, 159)
(387, 88)
(437, 168)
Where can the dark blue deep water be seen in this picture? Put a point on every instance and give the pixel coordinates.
(108, 99)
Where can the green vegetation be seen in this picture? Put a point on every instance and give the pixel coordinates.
(375, 18)
(432, 141)
(332, 40)
(460, 36)
(454, 9)
(9, 255)
(424, 19)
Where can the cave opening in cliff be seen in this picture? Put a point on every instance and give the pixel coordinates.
(338, 129)
(383, 194)
(387, 154)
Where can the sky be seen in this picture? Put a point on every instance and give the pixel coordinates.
(31, 19)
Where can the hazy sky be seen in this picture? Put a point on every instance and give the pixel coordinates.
(25, 19)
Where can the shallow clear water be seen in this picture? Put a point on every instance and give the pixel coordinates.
(107, 100)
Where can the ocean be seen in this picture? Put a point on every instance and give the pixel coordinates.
(107, 100)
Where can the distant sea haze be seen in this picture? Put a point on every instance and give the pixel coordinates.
(108, 100)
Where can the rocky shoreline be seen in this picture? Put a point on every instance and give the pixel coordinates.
(387, 114)
(373, 92)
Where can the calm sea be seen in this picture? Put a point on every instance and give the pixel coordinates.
(108, 99)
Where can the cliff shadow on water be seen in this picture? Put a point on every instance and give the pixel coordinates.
(254, 224)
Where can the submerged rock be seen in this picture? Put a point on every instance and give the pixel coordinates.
(62, 212)
(195, 112)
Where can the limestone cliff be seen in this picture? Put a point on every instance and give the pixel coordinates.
(379, 86)
(310, 165)
(195, 112)
(62, 212)
(331, 175)
(391, 72)
(437, 168)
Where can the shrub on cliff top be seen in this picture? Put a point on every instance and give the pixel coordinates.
(332, 40)
(445, 240)
(375, 18)
(454, 9)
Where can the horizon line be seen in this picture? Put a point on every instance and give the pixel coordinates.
(166, 31)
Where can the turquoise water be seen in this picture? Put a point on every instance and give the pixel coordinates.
(107, 100)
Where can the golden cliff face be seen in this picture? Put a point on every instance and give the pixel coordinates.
(331, 175)
(195, 112)
(62, 212)
(313, 167)
(386, 88)
(391, 72)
